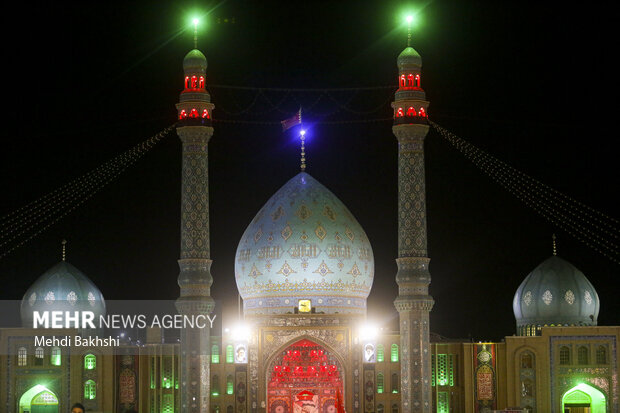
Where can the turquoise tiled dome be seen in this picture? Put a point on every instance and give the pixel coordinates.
(62, 288)
(555, 293)
(304, 244)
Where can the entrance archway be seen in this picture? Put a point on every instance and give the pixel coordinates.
(305, 379)
(583, 398)
(38, 399)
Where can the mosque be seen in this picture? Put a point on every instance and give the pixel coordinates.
(304, 268)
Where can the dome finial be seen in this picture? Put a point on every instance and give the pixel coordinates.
(195, 21)
(409, 20)
(555, 249)
(302, 136)
(64, 249)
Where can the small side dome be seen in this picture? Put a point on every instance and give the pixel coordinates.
(195, 61)
(62, 288)
(555, 294)
(409, 57)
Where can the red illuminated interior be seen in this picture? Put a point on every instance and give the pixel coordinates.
(305, 376)
(194, 82)
(411, 112)
(409, 81)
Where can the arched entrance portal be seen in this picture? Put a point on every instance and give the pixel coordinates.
(38, 400)
(305, 379)
(583, 398)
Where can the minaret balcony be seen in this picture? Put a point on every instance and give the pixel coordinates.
(406, 120)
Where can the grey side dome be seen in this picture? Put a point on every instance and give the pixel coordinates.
(555, 293)
(62, 288)
(195, 61)
(409, 57)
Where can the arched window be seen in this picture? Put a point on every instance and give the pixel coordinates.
(229, 409)
(186, 82)
(38, 356)
(215, 354)
(194, 82)
(55, 357)
(201, 82)
(380, 409)
(394, 408)
(22, 356)
(422, 112)
(527, 361)
(410, 80)
(90, 362)
(215, 386)
(564, 355)
(380, 353)
(402, 80)
(395, 383)
(582, 355)
(417, 80)
(411, 111)
(400, 113)
(230, 354)
(205, 114)
(601, 355)
(193, 113)
(380, 383)
(183, 114)
(90, 390)
(230, 386)
(394, 353)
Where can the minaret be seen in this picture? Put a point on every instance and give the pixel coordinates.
(194, 129)
(413, 278)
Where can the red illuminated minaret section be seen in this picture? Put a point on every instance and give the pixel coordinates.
(413, 278)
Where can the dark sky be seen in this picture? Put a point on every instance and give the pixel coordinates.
(533, 83)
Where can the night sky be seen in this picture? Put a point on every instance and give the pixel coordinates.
(534, 84)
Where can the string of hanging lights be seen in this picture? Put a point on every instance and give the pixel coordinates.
(29, 221)
(595, 229)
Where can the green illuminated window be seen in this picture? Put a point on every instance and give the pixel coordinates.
(443, 405)
(380, 383)
(452, 371)
(394, 353)
(153, 366)
(90, 362)
(442, 370)
(395, 383)
(380, 353)
(215, 354)
(55, 357)
(229, 385)
(90, 390)
(230, 354)
(166, 372)
(167, 403)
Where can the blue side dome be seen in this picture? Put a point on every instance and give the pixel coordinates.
(62, 288)
(555, 294)
(304, 244)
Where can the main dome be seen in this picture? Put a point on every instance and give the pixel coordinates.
(555, 294)
(304, 244)
(62, 288)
